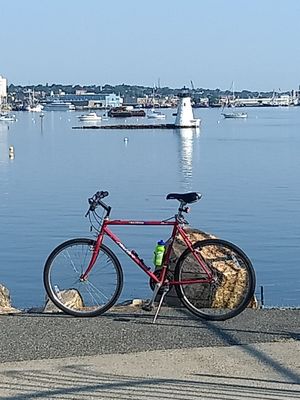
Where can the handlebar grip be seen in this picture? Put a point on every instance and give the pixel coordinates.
(100, 194)
(95, 201)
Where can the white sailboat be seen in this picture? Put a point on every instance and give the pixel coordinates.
(153, 113)
(233, 114)
(33, 106)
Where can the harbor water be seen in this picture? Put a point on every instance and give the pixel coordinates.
(246, 169)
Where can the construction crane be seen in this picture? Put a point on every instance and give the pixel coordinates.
(193, 92)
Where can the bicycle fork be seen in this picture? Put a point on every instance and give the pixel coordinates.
(95, 254)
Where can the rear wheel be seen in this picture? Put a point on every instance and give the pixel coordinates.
(232, 286)
(83, 298)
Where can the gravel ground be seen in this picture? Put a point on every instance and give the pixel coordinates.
(44, 336)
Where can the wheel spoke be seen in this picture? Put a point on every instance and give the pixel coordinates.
(93, 289)
(69, 258)
(233, 281)
(89, 297)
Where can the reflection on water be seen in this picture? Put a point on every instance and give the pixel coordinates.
(4, 128)
(186, 141)
(42, 122)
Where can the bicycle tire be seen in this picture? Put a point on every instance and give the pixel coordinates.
(88, 298)
(235, 279)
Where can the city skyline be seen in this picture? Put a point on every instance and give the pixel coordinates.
(170, 43)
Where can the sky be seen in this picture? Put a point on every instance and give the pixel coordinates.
(253, 43)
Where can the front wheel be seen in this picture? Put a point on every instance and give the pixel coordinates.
(232, 285)
(82, 298)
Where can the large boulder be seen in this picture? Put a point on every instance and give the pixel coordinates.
(5, 301)
(233, 278)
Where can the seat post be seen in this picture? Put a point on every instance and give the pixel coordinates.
(181, 208)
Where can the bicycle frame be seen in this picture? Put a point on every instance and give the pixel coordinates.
(89, 268)
(177, 228)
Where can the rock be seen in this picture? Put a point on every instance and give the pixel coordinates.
(137, 303)
(5, 301)
(233, 278)
(128, 305)
(71, 298)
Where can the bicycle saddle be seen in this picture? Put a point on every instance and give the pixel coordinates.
(185, 197)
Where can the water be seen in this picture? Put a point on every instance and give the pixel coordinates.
(247, 170)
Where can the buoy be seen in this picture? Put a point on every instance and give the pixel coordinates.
(11, 152)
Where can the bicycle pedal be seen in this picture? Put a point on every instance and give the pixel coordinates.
(148, 307)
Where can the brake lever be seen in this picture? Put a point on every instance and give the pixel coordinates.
(92, 207)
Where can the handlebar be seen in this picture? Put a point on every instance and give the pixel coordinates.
(96, 201)
(183, 198)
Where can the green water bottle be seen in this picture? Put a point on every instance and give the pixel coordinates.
(159, 253)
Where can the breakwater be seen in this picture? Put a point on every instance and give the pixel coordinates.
(128, 126)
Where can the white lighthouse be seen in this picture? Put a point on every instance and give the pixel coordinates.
(185, 117)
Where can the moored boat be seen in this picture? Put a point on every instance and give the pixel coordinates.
(231, 103)
(155, 114)
(7, 117)
(235, 115)
(92, 116)
(124, 112)
(35, 108)
(59, 105)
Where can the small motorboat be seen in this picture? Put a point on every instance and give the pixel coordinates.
(235, 115)
(8, 117)
(156, 114)
(92, 116)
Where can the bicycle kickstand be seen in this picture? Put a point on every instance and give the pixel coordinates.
(150, 304)
(165, 291)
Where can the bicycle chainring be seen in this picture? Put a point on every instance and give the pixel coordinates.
(170, 277)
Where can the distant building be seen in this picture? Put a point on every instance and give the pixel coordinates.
(91, 100)
(3, 87)
(275, 100)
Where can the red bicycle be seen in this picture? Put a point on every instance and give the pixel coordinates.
(213, 278)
